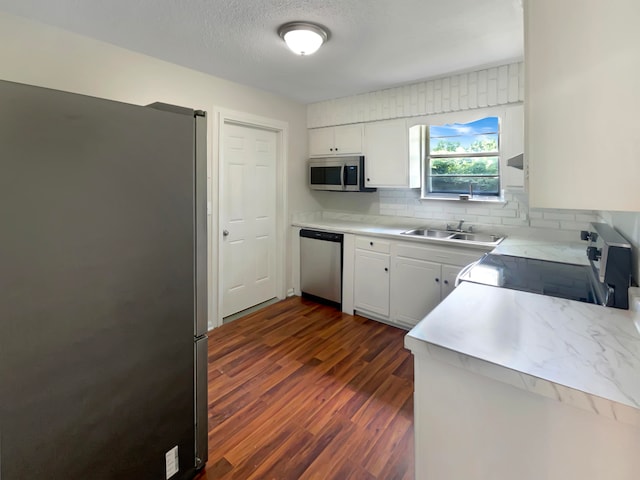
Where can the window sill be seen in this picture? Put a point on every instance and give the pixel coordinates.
(456, 198)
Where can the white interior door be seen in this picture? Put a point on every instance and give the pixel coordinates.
(248, 220)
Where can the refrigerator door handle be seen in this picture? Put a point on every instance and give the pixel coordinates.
(200, 207)
(201, 403)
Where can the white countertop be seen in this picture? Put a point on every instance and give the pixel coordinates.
(387, 230)
(546, 343)
(354, 227)
(519, 242)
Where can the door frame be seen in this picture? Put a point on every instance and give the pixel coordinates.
(281, 129)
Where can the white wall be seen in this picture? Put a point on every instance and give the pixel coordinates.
(40, 55)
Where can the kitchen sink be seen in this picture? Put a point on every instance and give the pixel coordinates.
(476, 237)
(485, 238)
(422, 232)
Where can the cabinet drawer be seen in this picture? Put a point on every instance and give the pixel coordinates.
(452, 256)
(373, 244)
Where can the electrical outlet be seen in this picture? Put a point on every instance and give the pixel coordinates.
(171, 462)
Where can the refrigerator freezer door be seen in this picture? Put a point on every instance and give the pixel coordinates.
(97, 288)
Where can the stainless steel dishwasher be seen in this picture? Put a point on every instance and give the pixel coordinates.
(321, 266)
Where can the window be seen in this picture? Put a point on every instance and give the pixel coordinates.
(462, 159)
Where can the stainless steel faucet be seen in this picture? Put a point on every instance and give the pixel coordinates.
(458, 228)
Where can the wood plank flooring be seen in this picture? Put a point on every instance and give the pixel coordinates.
(301, 391)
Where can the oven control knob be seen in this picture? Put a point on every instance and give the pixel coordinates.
(586, 235)
(594, 253)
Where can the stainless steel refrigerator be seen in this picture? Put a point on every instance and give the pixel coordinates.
(103, 296)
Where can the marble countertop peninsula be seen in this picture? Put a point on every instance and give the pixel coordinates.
(584, 355)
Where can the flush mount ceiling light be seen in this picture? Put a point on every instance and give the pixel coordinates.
(303, 38)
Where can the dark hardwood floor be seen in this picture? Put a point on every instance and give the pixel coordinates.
(299, 390)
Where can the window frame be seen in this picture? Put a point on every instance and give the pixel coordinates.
(427, 176)
(511, 143)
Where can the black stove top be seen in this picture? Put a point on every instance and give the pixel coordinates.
(563, 280)
(604, 281)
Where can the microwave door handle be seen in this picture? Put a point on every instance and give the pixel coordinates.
(342, 173)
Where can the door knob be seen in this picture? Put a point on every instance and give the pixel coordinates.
(225, 233)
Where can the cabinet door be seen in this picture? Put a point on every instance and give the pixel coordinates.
(582, 105)
(415, 289)
(321, 142)
(449, 274)
(348, 140)
(371, 282)
(387, 154)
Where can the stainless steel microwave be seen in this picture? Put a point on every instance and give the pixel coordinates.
(338, 174)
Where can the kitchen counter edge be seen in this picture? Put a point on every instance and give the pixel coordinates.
(565, 376)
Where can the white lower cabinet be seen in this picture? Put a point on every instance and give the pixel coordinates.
(415, 289)
(417, 286)
(371, 289)
(401, 282)
(449, 274)
(371, 276)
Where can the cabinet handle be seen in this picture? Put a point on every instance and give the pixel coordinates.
(331, 149)
(437, 279)
(368, 179)
(446, 282)
(371, 243)
(336, 149)
(386, 269)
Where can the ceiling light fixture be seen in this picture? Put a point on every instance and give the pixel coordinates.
(303, 38)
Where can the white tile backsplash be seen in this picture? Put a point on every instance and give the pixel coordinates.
(514, 212)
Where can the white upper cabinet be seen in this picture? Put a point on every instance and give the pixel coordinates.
(583, 104)
(387, 162)
(335, 141)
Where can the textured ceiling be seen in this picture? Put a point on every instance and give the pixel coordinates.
(374, 44)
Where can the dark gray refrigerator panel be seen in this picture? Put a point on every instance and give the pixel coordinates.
(98, 291)
(201, 401)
